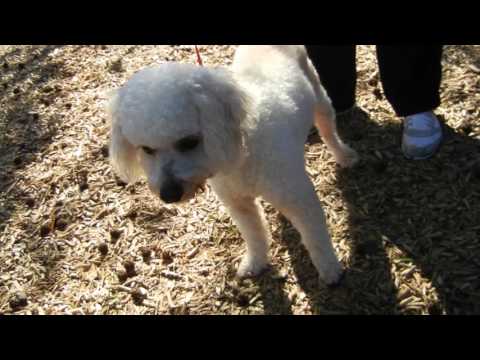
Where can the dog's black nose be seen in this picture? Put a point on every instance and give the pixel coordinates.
(171, 192)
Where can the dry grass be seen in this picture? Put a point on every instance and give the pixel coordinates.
(73, 240)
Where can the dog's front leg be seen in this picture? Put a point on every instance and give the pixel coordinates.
(302, 207)
(248, 215)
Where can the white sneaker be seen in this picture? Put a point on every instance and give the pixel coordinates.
(422, 136)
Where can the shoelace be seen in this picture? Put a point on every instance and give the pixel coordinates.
(429, 128)
(424, 120)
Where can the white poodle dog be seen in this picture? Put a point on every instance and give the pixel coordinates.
(241, 128)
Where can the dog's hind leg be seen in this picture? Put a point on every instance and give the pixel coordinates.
(327, 127)
(325, 120)
(248, 215)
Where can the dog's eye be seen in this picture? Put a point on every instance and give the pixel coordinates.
(148, 151)
(187, 144)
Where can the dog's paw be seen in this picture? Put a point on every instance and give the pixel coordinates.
(332, 274)
(251, 267)
(348, 158)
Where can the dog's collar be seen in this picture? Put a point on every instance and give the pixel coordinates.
(199, 58)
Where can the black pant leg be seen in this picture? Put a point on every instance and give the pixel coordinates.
(411, 76)
(336, 66)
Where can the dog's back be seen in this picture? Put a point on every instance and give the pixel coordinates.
(267, 62)
(270, 61)
(260, 54)
(276, 78)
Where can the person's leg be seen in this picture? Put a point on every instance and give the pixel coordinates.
(336, 66)
(411, 77)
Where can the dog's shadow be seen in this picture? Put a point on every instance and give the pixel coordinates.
(410, 224)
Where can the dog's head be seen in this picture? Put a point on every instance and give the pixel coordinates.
(178, 125)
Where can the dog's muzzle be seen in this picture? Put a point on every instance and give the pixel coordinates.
(171, 192)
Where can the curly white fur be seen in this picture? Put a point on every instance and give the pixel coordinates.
(249, 124)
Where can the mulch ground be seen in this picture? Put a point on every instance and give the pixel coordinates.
(75, 240)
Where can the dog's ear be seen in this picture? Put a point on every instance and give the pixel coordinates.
(123, 155)
(223, 107)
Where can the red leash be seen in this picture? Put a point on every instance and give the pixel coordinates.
(199, 58)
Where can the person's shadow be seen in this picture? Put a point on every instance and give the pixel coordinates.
(413, 229)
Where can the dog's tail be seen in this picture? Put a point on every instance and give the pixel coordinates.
(314, 79)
